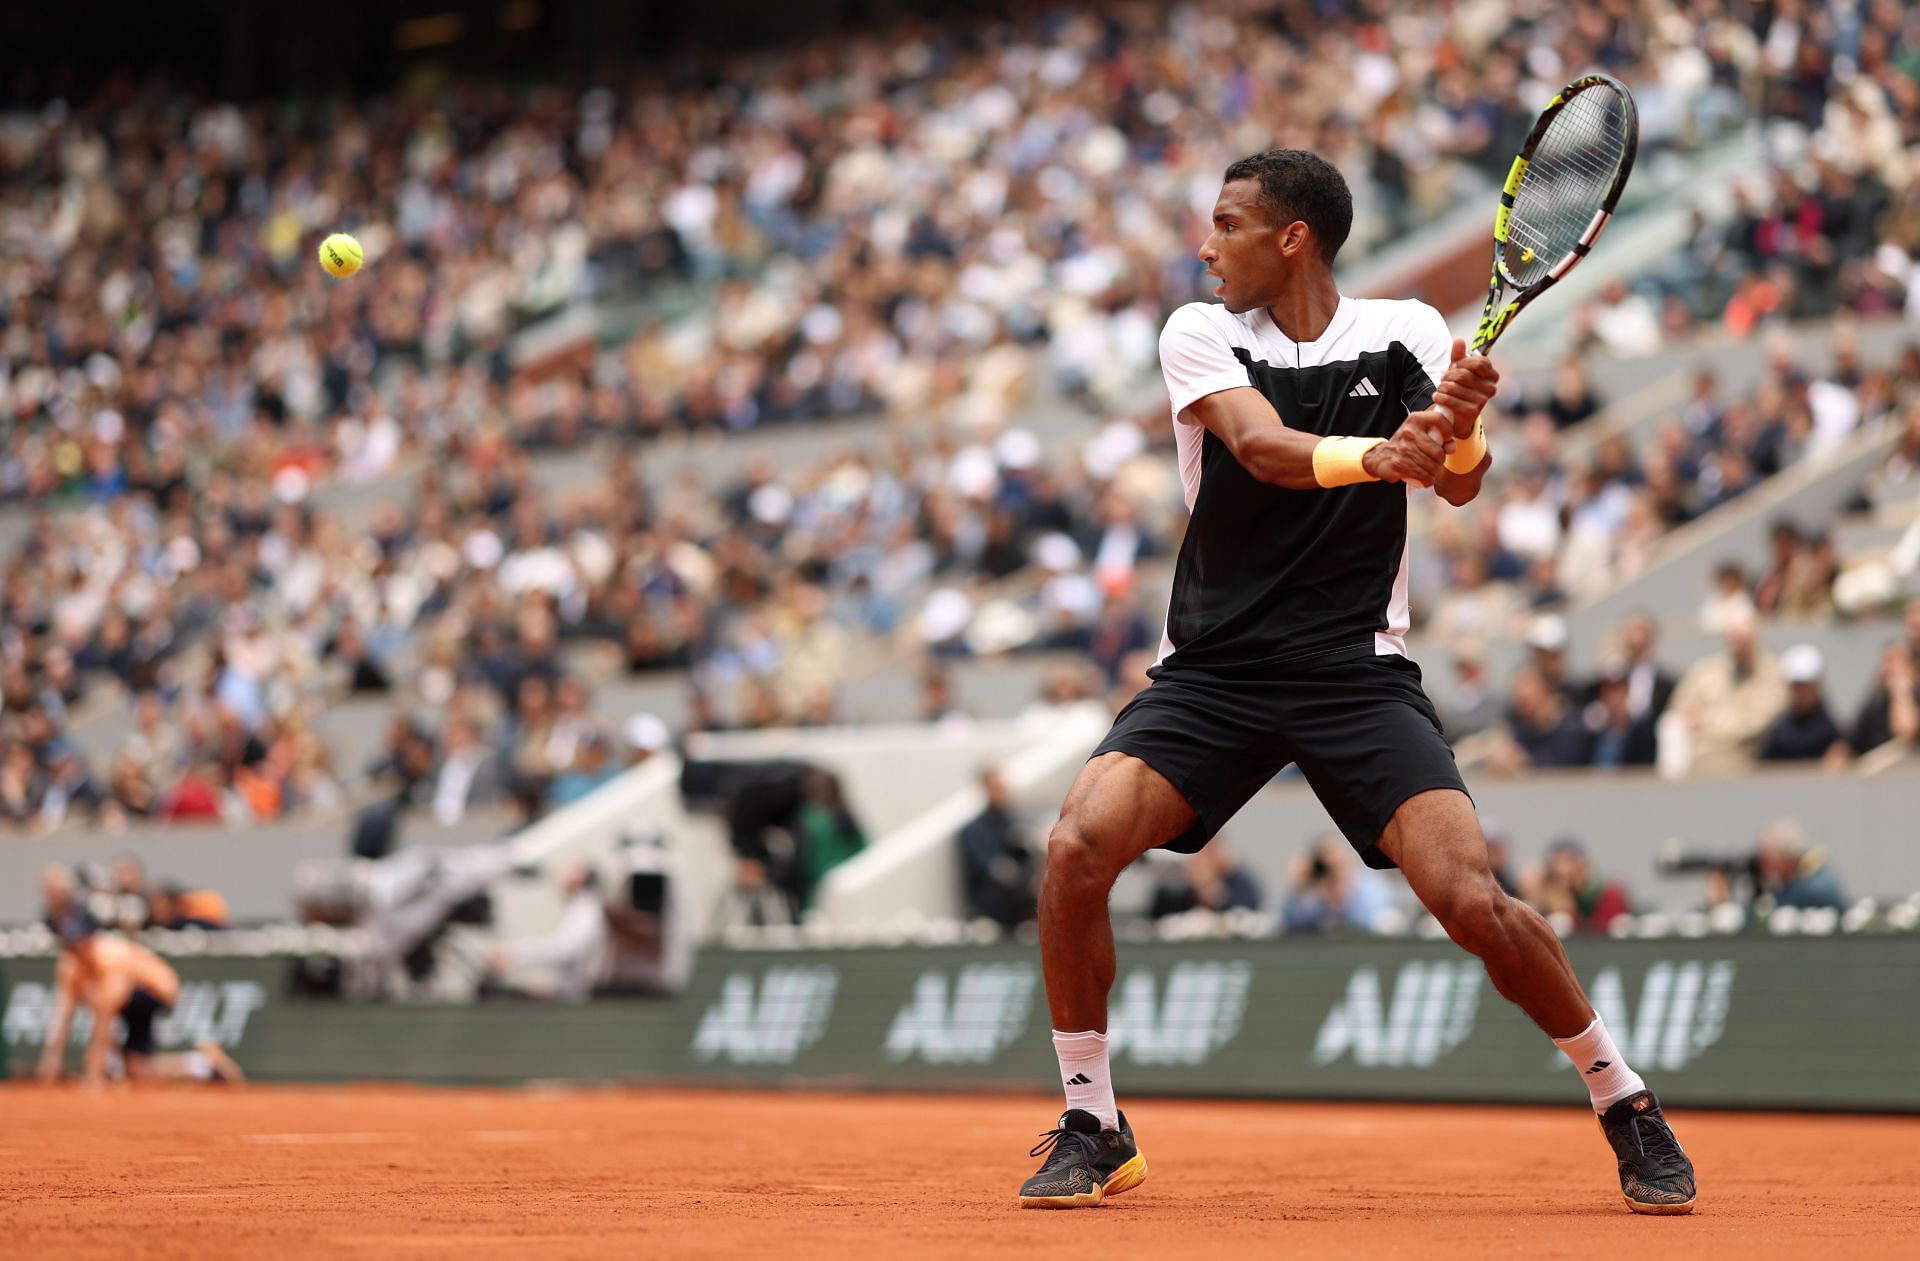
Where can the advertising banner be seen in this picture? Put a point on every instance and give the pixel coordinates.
(1737, 1022)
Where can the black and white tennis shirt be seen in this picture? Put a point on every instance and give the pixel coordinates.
(1270, 578)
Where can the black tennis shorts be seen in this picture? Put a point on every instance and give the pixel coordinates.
(1363, 732)
(138, 1015)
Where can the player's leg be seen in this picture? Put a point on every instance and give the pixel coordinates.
(1435, 839)
(207, 1062)
(1371, 746)
(1118, 808)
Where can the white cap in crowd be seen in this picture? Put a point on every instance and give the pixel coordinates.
(645, 731)
(1802, 663)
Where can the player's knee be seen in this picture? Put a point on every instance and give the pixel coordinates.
(1479, 918)
(1075, 865)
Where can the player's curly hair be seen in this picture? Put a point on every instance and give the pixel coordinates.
(1297, 184)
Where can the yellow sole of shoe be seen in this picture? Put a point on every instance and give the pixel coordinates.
(1659, 1210)
(1128, 1176)
(1122, 1180)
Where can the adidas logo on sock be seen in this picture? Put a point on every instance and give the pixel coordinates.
(1079, 1079)
(1363, 390)
(1599, 1066)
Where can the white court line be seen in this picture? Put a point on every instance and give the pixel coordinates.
(351, 1138)
(340, 1138)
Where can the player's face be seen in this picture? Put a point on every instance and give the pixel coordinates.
(1244, 250)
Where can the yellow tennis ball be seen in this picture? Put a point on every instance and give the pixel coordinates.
(340, 254)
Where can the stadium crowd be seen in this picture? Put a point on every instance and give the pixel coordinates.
(1832, 224)
(930, 221)
(1327, 891)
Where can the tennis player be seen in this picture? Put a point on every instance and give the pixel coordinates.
(120, 982)
(1304, 421)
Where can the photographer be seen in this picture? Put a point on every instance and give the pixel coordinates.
(1783, 870)
(1327, 891)
(1791, 872)
(1212, 880)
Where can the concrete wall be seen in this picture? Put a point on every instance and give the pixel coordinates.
(1870, 825)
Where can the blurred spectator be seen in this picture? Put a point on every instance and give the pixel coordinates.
(1469, 704)
(592, 767)
(1570, 887)
(1542, 730)
(1328, 891)
(1500, 857)
(1120, 632)
(174, 906)
(130, 909)
(1722, 707)
(1806, 731)
(1730, 601)
(1891, 712)
(1649, 686)
(407, 761)
(937, 704)
(1547, 651)
(468, 775)
(1473, 605)
(22, 785)
(828, 833)
(1212, 880)
(998, 865)
(69, 785)
(576, 956)
(530, 744)
(363, 673)
(1623, 321)
(1616, 736)
(1573, 400)
(1799, 578)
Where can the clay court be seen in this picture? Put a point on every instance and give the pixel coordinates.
(401, 1172)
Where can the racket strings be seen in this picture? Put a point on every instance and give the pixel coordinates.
(1567, 180)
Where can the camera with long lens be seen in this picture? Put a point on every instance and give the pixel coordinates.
(1677, 858)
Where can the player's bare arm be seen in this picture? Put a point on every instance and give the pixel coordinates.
(66, 991)
(1266, 447)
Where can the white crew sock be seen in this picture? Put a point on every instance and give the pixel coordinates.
(1084, 1073)
(1601, 1065)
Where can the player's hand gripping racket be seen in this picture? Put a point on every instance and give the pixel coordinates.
(1559, 195)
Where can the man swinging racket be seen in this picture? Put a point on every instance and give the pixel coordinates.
(1303, 417)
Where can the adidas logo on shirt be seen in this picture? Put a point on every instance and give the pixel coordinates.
(1363, 390)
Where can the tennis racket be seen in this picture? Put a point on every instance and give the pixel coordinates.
(1559, 195)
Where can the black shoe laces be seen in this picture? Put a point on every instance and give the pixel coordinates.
(1656, 1140)
(1060, 1145)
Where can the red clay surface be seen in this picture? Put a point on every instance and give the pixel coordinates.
(399, 1172)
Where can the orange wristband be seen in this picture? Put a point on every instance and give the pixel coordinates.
(1338, 461)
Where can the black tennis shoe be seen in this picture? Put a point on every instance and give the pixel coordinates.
(1084, 1163)
(1655, 1174)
